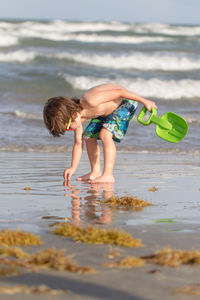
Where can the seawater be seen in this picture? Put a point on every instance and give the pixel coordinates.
(40, 59)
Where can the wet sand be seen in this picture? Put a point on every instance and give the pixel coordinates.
(173, 220)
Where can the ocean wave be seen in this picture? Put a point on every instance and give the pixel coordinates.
(93, 32)
(67, 26)
(27, 115)
(167, 29)
(94, 38)
(124, 149)
(59, 26)
(139, 61)
(156, 61)
(135, 60)
(154, 88)
(6, 41)
(19, 56)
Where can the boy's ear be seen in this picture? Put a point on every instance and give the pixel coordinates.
(75, 115)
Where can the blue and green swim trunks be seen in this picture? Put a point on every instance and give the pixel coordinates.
(117, 122)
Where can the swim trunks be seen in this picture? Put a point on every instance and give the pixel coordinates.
(117, 122)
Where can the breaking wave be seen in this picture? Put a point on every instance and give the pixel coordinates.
(155, 61)
(27, 115)
(155, 88)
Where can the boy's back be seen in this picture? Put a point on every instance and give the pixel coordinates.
(101, 100)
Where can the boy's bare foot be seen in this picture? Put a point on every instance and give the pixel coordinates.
(89, 176)
(103, 178)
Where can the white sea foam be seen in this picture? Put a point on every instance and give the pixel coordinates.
(20, 56)
(139, 61)
(135, 60)
(167, 29)
(95, 38)
(27, 115)
(79, 37)
(89, 31)
(6, 41)
(154, 88)
(65, 31)
(60, 26)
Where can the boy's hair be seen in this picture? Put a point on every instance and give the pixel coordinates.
(57, 112)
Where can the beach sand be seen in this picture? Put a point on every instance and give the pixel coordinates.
(172, 220)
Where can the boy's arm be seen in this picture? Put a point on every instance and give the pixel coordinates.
(103, 96)
(132, 96)
(76, 153)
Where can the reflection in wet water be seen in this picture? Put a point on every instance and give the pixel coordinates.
(175, 176)
(87, 209)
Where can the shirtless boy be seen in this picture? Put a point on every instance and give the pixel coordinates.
(110, 107)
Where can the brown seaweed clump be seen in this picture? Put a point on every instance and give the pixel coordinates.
(174, 258)
(56, 259)
(40, 289)
(153, 189)
(27, 188)
(92, 235)
(127, 262)
(47, 258)
(189, 290)
(16, 237)
(14, 252)
(126, 202)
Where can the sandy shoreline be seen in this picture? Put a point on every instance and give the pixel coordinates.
(176, 178)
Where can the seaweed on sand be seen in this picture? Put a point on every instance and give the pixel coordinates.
(16, 237)
(92, 235)
(13, 251)
(56, 259)
(174, 258)
(40, 289)
(126, 202)
(189, 290)
(127, 262)
(48, 258)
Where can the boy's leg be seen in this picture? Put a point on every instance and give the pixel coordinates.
(109, 150)
(93, 151)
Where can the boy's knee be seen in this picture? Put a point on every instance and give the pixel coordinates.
(90, 140)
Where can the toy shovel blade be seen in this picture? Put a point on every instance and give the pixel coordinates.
(170, 127)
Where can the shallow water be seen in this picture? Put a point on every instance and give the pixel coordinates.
(175, 177)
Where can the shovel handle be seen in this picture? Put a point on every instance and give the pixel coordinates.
(142, 114)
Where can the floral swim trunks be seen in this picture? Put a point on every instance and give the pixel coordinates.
(117, 122)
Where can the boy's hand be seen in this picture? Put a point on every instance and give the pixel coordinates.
(149, 104)
(68, 173)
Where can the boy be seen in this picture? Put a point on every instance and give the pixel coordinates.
(110, 108)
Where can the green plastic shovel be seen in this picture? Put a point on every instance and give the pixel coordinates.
(170, 126)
